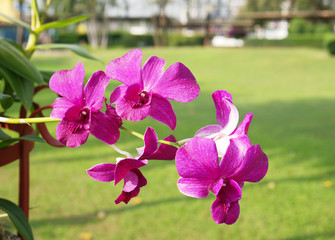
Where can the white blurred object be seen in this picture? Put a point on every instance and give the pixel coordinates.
(221, 41)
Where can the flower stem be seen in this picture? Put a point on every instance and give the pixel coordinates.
(28, 120)
(141, 136)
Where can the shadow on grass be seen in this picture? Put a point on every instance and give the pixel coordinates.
(312, 236)
(93, 216)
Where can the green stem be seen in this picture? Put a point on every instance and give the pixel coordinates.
(28, 120)
(141, 136)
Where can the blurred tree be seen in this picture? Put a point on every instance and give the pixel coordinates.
(97, 25)
(297, 5)
(160, 23)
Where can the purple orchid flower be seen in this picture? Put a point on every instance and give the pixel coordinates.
(227, 116)
(79, 109)
(201, 172)
(145, 90)
(128, 168)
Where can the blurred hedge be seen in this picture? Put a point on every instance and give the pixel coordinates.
(296, 40)
(329, 43)
(124, 39)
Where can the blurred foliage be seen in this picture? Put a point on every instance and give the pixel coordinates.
(295, 5)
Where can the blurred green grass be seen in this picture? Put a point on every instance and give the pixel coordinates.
(291, 92)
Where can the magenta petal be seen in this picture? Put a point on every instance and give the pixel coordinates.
(232, 159)
(243, 128)
(194, 187)
(60, 107)
(126, 196)
(231, 191)
(226, 113)
(198, 158)
(177, 83)
(150, 143)
(126, 69)
(152, 71)
(130, 182)
(95, 89)
(126, 110)
(71, 134)
(254, 166)
(217, 185)
(208, 131)
(165, 152)
(111, 112)
(118, 93)
(104, 128)
(125, 165)
(103, 172)
(69, 83)
(162, 111)
(227, 213)
(129, 107)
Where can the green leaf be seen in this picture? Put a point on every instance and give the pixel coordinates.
(24, 89)
(14, 60)
(17, 46)
(3, 135)
(18, 218)
(33, 138)
(7, 142)
(73, 47)
(16, 21)
(46, 75)
(6, 101)
(63, 23)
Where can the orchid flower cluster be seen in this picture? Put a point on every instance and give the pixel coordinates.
(218, 159)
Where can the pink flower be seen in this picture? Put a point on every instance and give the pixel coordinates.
(79, 109)
(128, 168)
(201, 172)
(145, 90)
(227, 116)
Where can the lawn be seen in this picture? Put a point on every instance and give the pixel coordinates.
(290, 91)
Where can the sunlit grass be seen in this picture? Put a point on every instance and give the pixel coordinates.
(292, 95)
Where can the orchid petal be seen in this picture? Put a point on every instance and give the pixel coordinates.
(231, 191)
(225, 209)
(198, 159)
(129, 107)
(130, 182)
(227, 213)
(152, 71)
(60, 107)
(142, 181)
(69, 83)
(103, 172)
(95, 89)
(126, 196)
(232, 159)
(209, 131)
(104, 128)
(111, 112)
(217, 185)
(254, 166)
(194, 187)
(177, 83)
(125, 165)
(243, 128)
(162, 111)
(226, 113)
(71, 134)
(150, 143)
(118, 93)
(126, 110)
(165, 151)
(126, 69)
